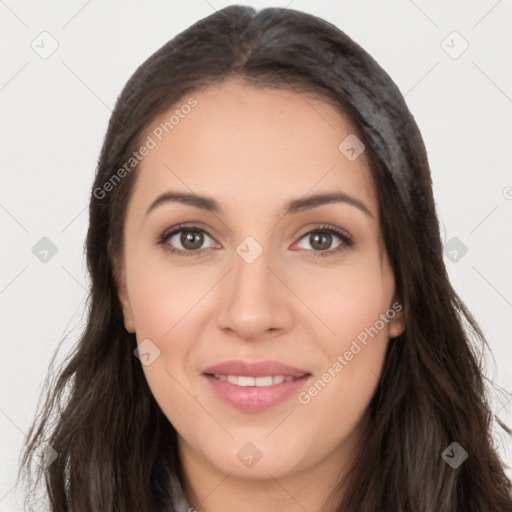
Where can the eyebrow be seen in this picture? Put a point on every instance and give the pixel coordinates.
(293, 206)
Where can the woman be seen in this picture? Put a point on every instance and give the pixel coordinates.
(271, 324)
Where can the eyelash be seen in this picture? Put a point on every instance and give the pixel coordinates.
(343, 235)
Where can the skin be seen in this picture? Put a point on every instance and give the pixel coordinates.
(253, 150)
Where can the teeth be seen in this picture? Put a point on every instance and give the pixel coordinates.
(277, 379)
(263, 381)
(232, 379)
(242, 380)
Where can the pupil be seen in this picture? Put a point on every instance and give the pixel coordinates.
(187, 239)
(194, 240)
(319, 238)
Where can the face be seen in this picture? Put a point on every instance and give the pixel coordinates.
(245, 268)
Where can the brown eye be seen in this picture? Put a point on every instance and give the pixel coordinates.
(185, 240)
(320, 240)
(191, 239)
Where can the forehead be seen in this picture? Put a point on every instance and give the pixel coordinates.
(247, 143)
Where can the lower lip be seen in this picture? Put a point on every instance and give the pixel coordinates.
(255, 398)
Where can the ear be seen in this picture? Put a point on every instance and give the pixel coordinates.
(120, 280)
(397, 323)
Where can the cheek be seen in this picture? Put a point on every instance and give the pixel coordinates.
(161, 295)
(352, 304)
(348, 299)
(165, 302)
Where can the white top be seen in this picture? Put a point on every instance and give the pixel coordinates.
(180, 502)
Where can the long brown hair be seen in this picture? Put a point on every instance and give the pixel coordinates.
(116, 451)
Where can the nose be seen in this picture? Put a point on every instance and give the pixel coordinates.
(255, 301)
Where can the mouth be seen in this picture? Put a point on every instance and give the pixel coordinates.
(262, 369)
(260, 382)
(255, 386)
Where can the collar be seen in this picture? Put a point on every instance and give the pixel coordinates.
(180, 502)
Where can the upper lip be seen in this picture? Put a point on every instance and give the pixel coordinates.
(260, 369)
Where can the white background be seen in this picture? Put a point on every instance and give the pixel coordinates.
(55, 112)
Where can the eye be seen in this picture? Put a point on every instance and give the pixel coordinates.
(190, 238)
(320, 240)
